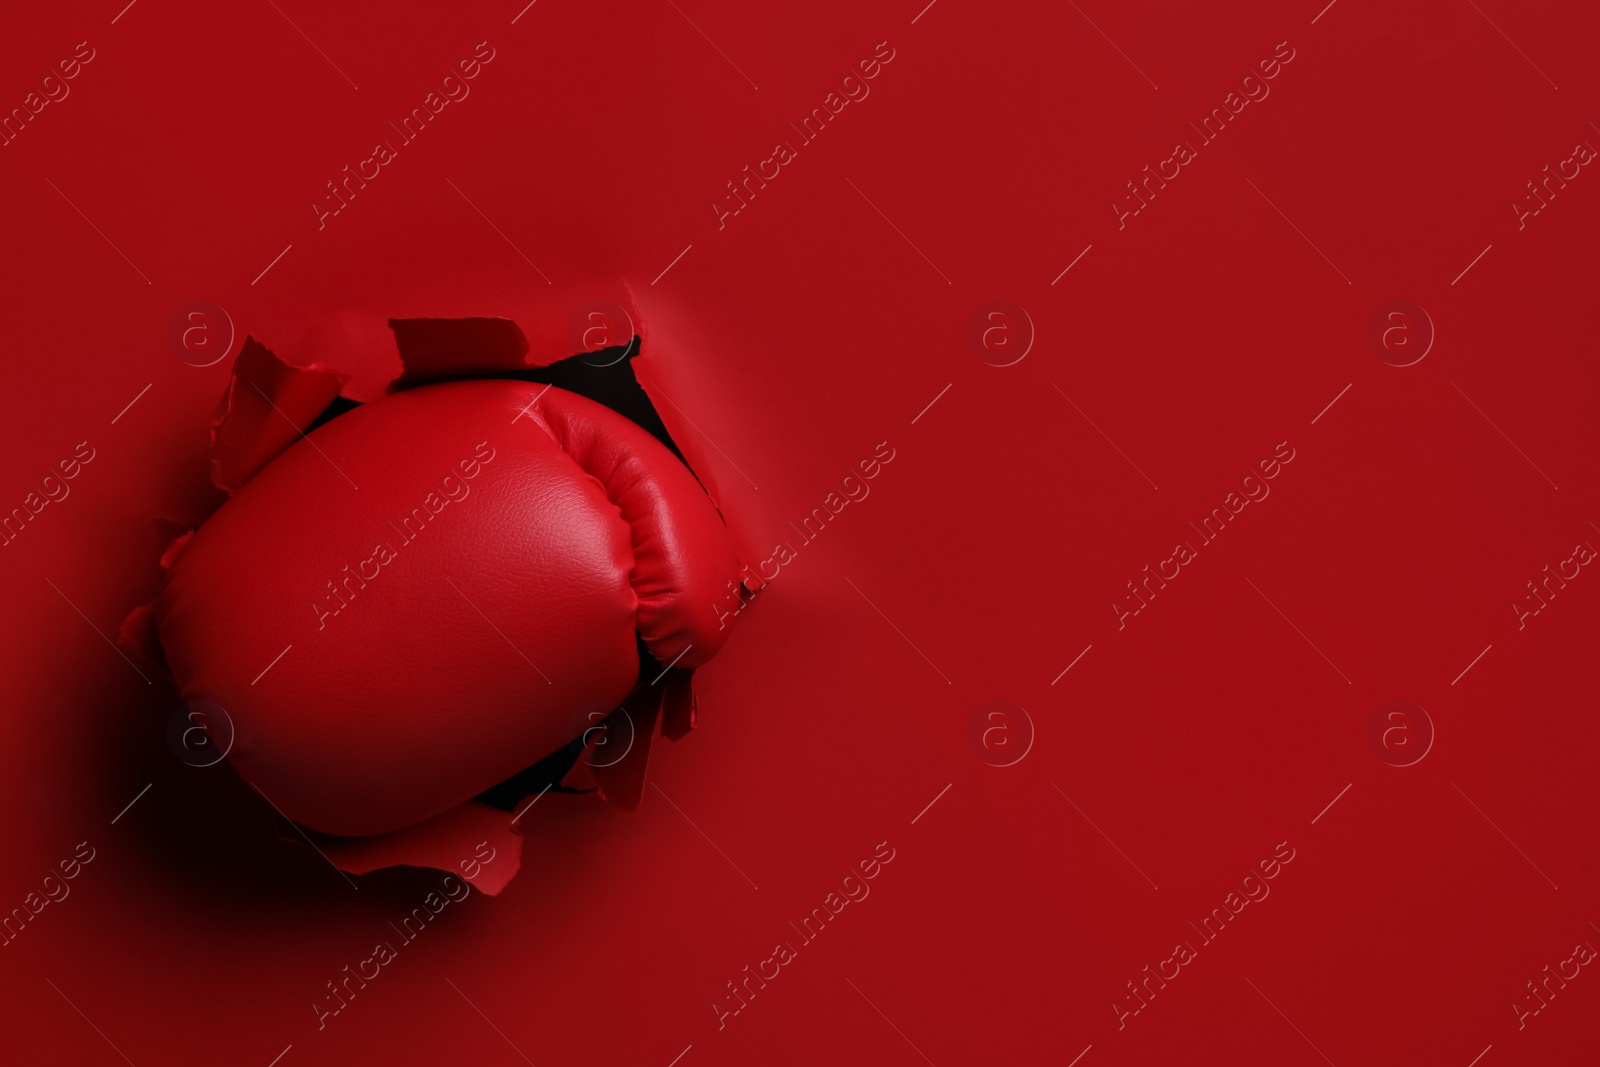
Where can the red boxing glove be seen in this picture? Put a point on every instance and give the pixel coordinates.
(428, 593)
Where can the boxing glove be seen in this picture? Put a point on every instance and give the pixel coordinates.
(431, 592)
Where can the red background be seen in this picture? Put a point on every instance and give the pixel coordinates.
(803, 333)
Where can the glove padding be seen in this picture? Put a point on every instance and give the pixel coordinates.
(433, 591)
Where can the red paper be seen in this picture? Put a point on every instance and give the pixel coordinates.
(986, 659)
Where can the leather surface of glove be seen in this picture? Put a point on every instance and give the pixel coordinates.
(433, 591)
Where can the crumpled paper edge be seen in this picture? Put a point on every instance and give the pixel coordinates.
(266, 407)
(452, 841)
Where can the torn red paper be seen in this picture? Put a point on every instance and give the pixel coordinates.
(448, 842)
(678, 705)
(621, 781)
(137, 633)
(267, 406)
